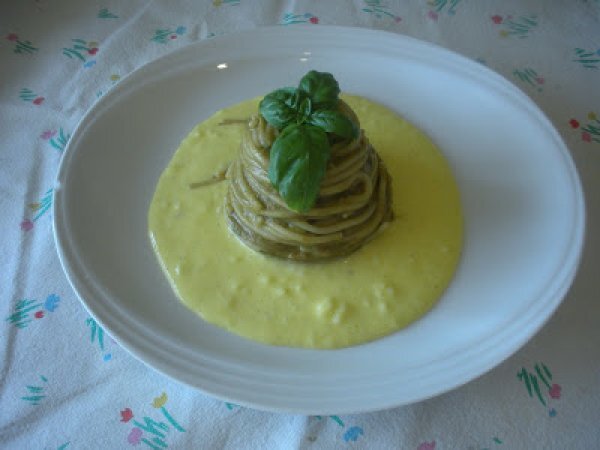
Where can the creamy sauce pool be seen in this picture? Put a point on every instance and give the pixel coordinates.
(384, 286)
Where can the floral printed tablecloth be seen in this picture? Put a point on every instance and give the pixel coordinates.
(66, 384)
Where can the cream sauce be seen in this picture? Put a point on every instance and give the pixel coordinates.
(379, 289)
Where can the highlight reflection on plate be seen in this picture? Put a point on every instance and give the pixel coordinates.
(522, 200)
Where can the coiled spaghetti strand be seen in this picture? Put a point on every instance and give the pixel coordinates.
(353, 205)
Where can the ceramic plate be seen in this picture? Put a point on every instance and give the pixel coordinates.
(523, 207)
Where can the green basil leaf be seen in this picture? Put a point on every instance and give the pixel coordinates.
(304, 110)
(295, 100)
(322, 88)
(298, 160)
(278, 107)
(334, 122)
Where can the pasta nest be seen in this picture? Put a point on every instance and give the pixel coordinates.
(354, 200)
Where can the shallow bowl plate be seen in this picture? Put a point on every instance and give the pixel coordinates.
(522, 199)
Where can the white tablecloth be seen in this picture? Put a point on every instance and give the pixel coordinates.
(66, 384)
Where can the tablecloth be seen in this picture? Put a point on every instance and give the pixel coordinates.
(65, 383)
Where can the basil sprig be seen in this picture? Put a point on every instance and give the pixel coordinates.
(299, 155)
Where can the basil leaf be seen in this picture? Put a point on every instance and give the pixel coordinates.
(294, 100)
(298, 160)
(334, 122)
(278, 107)
(322, 88)
(304, 110)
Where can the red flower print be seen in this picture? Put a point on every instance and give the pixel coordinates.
(39, 314)
(93, 51)
(398, 19)
(427, 446)
(173, 36)
(38, 101)
(126, 415)
(540, 80)
(497, 19)
(574, 123)
(12, 37)
(432, 15)
(587, 137)
(555, 391)
(314, 20)
(26, 225)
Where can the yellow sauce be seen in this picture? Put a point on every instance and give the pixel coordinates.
(384, 286)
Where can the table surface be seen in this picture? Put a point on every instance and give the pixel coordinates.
(66, 384)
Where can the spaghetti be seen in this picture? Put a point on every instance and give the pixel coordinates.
(354, 199)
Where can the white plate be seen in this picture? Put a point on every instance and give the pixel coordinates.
(523, 206)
